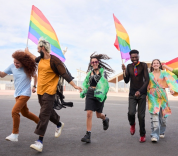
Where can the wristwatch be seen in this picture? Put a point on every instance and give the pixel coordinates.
(34, 86)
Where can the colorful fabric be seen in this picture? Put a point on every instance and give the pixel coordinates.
(135, 68)
(175, 71)
(47, 79)
(122, 42)
(21, 81)
(157, 97)
(40, 27)
(101, 90)
(173, 64)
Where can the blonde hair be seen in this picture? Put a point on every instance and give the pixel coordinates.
(43, 43)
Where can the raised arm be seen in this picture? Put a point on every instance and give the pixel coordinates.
(126, 74)
(2, 74)
(30, 54)
(146, 77)
(167, 67)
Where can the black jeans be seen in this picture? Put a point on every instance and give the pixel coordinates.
(141, 101)
(46, 113)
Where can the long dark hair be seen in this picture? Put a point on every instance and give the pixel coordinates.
(27, 62)
(102, 64)
(151, 68)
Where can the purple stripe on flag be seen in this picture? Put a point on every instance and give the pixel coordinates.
(62, 59)
(125, 56)
(33, 38)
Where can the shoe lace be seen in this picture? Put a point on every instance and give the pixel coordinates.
(57, 129)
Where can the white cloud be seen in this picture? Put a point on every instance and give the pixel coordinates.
(88, 26)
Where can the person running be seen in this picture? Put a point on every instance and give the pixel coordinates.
(95, 88)
(23, 68)
(137, 74)
(50, 69)
(158, 105)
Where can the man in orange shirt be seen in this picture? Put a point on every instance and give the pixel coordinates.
(50, 69)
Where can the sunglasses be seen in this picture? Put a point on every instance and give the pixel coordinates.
(94, 62)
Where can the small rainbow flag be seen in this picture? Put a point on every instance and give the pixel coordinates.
(40, 27)
(122, 42)
(173, 64)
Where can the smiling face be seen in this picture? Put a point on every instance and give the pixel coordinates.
(156, 65)
(17, 64)
(94, 63)
(134, 58)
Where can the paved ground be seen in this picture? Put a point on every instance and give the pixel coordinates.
(113, 142)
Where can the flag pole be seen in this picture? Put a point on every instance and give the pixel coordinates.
(29, 28)
(123, 63)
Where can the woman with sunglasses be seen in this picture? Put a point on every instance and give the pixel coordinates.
(95, 88)
(158, 105)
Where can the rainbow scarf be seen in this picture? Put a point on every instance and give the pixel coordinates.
(135, 68)
(40, 27)
(122, 42)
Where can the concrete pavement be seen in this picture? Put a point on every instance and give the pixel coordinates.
(113, 142)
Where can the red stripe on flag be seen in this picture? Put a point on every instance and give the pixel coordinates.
(40, 14)
(172, 61)
(116, 44)
(116, 20)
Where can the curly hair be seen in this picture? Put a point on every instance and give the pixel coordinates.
(27, 62)
(152, 69)
(102, 64)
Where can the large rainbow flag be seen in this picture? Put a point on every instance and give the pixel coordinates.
(173, 64)
(122, 42)
(40, 27)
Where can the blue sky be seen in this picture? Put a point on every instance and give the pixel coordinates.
(85, 26)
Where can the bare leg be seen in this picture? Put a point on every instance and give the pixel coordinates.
(89, 120)
(100, 115)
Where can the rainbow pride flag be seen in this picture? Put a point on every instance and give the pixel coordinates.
(122, 42)
(173, 64)
(40, 27)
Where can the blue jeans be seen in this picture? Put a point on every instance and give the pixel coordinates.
(158, 124)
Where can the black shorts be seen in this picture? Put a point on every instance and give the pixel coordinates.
(91, 103)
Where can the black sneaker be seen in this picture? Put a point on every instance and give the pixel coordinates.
(106, 123)
(86, 138)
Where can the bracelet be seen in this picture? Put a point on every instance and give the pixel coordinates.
(34, 86)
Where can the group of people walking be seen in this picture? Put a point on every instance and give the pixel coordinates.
(144, 85)
(149, 85)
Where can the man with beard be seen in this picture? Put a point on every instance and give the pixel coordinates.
(50, 68)
(137, 74)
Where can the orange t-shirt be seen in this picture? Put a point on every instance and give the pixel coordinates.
(47, 79)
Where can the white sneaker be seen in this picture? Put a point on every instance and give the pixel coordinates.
(59, 130)
(154, 139)
(162, 135)
(37, 146)
(12, 137)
